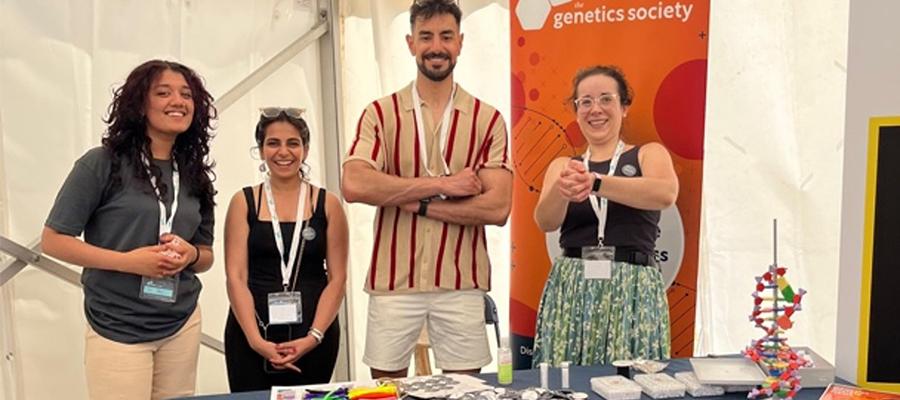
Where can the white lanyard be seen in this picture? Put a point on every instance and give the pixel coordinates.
(286, 268)
(420, 126)
(165, 224)
(602, 209)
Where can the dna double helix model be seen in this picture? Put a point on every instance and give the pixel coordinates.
(774, 302)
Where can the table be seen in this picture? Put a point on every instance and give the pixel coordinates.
(579, 378)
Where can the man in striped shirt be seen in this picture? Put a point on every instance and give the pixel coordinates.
(433, 159)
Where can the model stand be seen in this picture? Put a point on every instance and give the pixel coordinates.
(774, 302)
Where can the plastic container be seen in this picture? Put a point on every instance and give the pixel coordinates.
(504, 363)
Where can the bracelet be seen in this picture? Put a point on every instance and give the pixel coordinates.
(423, 207)
(316, 334)
(196, 258)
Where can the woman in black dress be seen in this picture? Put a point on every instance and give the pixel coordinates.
(285, 287)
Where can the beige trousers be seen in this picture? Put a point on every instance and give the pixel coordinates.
(160, 369)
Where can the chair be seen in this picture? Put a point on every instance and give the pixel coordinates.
(491, 317)
(423, 360)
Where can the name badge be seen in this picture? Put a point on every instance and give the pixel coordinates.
(161, 289)
(285, 308)
(598, 261)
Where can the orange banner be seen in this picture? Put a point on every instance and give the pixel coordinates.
(661, 46)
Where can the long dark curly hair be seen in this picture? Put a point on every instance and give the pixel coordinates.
(126, 137)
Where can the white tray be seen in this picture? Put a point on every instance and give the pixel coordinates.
(727, 371)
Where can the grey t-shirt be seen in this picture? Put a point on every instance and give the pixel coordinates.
(123, 220)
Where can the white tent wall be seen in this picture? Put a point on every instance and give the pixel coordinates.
(773, 149)
(775, 119)
(10, 387)
(58, 64)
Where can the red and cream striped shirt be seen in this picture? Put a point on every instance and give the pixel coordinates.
(420, 254)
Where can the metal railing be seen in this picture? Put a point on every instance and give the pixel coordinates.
(24, 256)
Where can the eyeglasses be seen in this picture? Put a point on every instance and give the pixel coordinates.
(605, 100)
(274, 112)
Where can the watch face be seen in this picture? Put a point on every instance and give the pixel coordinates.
(597, 182)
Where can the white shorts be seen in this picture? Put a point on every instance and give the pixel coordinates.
(456, 329)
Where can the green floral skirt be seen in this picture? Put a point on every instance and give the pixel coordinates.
(598, 321)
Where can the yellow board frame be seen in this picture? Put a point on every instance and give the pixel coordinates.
(875, 125)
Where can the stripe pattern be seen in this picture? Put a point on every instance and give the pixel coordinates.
(412, 253)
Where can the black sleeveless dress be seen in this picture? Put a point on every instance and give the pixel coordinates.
(245, 366)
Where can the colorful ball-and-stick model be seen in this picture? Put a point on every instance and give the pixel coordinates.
(772, 313)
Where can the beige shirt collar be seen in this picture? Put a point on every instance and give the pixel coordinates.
(462, 102)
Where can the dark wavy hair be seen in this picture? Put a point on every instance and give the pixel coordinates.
(297, 123)
(429, 8)
(626, 95)
(126, 134)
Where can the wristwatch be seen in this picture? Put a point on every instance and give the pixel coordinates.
(423, 207)
(598, 179)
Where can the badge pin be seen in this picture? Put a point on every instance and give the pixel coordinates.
(309, 233)
(629, 170)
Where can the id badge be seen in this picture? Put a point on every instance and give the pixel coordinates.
(285, 308)
(161, 289)
(598, 261)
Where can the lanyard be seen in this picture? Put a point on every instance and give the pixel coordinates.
(420, 127)
(165, 224)
(602, 209)
(286, 269)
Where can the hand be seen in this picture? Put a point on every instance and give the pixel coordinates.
(269, 351)
(292, 351)
(575, 182)
(181, 250)
(295, 349)
(461, 184)
(151, 261)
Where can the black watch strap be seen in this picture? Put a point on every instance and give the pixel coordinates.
(423, 207)
(597, 181)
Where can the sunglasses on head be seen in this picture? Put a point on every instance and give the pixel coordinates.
(422, 2)
(274, 112)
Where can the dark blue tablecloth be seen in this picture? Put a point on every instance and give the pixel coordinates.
(579, 378)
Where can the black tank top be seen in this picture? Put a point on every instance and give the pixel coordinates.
(264, 269)
(627, 228)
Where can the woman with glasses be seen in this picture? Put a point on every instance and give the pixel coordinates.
(144, 202)
(286, 266)
(604, 299)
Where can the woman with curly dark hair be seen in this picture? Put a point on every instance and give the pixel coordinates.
(144, 203)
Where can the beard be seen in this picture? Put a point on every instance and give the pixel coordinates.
(436, 75)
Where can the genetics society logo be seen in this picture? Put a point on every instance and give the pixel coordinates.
(534, 14)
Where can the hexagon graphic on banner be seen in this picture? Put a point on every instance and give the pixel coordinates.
(532, 13)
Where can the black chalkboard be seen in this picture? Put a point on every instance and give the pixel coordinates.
(884, 318)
